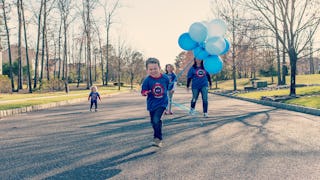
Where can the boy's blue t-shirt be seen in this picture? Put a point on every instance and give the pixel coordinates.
(94, 96)
(158, 95)
(172, 79)
(199, 77)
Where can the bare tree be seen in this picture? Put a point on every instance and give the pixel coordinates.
(43, 39)
(108, 15)
(97, 30)
(135, 63)
(35, 78)
(239, 26)
(121, 52)
(4, 10)
(20, 69)
(64, 7)
(299, 19)
(26, 45)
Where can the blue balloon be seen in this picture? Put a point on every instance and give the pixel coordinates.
(198, 32)
(227, 47)
(200, 53)
(213, 64)
(186, 43)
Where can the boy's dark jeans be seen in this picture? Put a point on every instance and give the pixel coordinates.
(156, 122)
(95, 104)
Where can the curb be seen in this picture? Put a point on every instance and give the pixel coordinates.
(290, 107)
(11, 112)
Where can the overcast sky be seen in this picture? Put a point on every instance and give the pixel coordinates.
(154, 26)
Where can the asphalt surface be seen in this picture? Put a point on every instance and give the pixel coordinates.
(239, 140)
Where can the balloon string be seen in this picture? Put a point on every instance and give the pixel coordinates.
(181, 72)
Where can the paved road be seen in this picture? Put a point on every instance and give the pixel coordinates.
(240, 140)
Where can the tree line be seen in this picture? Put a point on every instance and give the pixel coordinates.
(267, 37)
(71, 44)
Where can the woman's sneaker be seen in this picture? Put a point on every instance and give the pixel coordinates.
(205, 115)
(192, 112)
(157, 142)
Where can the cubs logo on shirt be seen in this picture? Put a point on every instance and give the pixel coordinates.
(200, 73)
(157, 90)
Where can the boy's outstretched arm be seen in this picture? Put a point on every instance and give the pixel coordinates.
(145, 92)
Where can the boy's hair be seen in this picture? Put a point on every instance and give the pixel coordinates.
(152, 61)
(167, 66)
(94, 87)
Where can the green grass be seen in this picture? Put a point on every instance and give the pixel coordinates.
(310, 101)
(304, 92)
(19, 100)
(241, 83)
(309, 90)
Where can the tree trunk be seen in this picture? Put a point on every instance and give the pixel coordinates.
(65, 56)
(107, 53)
(293, 65)
(311, 58)
(8, 43)
(43, 40)
(119, 73)
(233, 53)
(20, 73)
(26, 44)
(277, 42)
(36, 63)
(59, 50)
(88, 28)
(79, 63)
(47, 58)
(284, 67)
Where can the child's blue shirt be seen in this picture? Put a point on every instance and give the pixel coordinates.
(172, 79)
(94, 96)
(158, 88)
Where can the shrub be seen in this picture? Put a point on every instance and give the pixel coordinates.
(5, 84)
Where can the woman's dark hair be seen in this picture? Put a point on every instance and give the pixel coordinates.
(195, 64)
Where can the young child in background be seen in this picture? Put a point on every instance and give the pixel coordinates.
(173, 82)
(155, 86)
(94, 95)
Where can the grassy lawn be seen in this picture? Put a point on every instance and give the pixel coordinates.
(241, 83)
(18, 100)
(305, 92)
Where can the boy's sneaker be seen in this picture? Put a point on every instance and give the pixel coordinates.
(96, 110)
(205, 115)
(192, 112)
(90, 109)
(157, 142)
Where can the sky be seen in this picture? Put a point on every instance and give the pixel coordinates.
(154, 26)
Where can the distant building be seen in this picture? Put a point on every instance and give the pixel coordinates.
(14, 55)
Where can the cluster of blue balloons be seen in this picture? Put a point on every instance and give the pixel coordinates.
(206, 40)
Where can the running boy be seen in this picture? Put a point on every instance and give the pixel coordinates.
(155, 87)
(94, 95)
